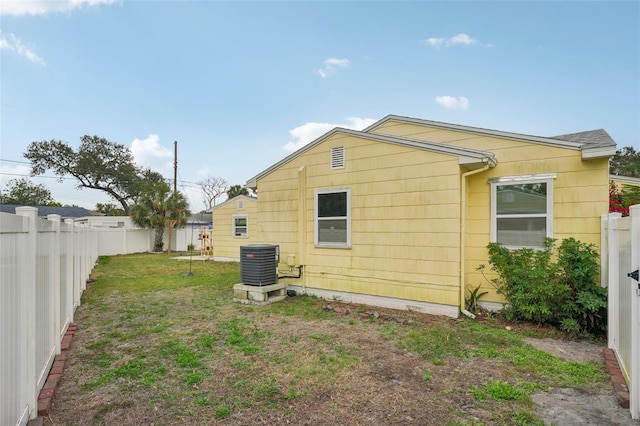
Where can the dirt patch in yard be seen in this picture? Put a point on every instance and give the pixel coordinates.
(568, 406)
(186, 358)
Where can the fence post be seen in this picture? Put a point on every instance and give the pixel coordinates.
(613, 309)
(604, 250)
(634, 391)
(68, 280)
(29, 273)
(55, 282)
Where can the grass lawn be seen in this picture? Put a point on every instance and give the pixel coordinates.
(157, 347)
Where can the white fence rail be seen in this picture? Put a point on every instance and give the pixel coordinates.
(112, 241)
(621, 256)
(44, 265)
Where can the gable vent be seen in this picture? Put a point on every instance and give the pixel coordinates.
(337, 157)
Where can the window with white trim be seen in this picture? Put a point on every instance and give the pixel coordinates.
(241, 226)
(522, 210)
(333, 218)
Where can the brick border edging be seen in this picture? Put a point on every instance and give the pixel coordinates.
(617, 380)
(45, 399)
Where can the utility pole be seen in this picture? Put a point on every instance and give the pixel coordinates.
(175, 166)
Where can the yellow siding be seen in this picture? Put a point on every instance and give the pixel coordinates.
(404, 219)
(405, 210)
(580, 189)
(225, 244)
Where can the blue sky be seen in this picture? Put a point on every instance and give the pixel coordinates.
(241, 84)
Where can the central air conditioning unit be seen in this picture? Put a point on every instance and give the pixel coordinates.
(259, 264)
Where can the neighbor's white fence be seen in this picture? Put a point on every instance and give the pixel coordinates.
(112, 241)
(620, 257)
(44, 265)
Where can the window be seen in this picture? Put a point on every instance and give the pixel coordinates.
(240, 205)
(333, 221)
(337, 157)
(241, 226)
(522, 210)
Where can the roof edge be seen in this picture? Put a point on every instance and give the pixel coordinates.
(484, 156)
(476, 130)
(246, 197)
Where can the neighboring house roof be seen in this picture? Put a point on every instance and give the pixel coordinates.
(237, 197)
(625, 180)
(593, 144)
(470, 158)
(43, 211)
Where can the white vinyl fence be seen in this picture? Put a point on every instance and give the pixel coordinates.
(44, 265)
(112, 241)
(620, 259)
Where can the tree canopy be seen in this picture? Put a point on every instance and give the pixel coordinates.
(97, 164)
(156, 207)
(626, 162)
(236, 190)
(110, 209)
(26, 193)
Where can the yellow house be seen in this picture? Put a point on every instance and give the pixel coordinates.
(234, 225)
(399, 215)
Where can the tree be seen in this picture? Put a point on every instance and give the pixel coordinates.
(98, 164)
(26, 193)
(212, 189)
(626, 162)
(236, 190)
(155, 207)
(110, 209)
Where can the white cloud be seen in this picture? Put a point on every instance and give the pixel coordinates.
(42, 7)
(13, 43)
(459, 39)
(308, 132)
(456, 104)
(149, 153)
(331, 65)
(8, 173)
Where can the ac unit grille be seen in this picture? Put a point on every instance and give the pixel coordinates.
(259, 264)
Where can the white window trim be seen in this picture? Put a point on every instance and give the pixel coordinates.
(233, 225)
(315, 217)
(511, 180)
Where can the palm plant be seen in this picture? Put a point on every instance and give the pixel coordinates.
(156, 207)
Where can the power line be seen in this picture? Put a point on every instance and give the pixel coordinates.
(15, 161)
(38, 176)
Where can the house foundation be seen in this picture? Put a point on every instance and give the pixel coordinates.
(259, 295)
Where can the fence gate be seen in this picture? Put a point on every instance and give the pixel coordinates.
(621, 258)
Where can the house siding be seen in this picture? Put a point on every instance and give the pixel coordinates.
(404, 219)
(580, 190)
(225, 244)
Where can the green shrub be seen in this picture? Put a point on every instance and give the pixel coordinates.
(564, 293)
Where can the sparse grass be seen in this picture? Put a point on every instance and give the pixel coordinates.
(152, 340)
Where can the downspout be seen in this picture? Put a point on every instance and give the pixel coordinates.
(302, 222)
(463, 233)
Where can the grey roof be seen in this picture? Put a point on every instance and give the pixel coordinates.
(43, 211)
(593, 144)
(589, 139)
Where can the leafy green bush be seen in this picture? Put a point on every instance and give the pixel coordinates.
(564, 292)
